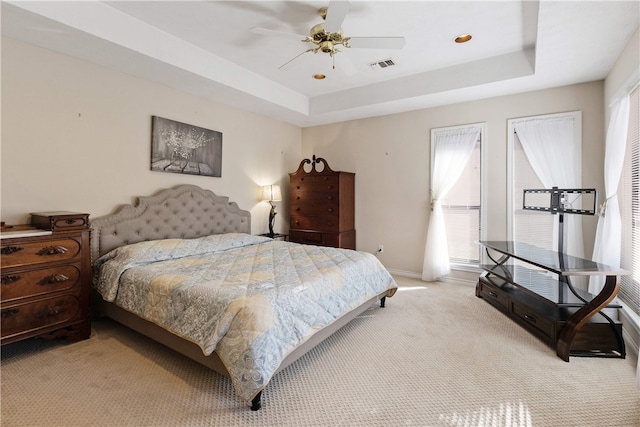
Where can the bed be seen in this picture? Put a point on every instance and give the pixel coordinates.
(182, 268)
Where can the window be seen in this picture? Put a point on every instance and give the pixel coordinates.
(629, 199)
(462, 208)
(537, 228)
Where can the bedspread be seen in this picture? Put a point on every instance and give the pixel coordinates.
(250, 298)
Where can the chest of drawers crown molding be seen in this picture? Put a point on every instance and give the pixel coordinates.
(322, 205)
(46, 278)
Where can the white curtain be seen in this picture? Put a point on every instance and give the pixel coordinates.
(606, 249)
(451, 152)
(549, 146)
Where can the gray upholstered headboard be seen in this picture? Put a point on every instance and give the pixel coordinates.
(186, 211)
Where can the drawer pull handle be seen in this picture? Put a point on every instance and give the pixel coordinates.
(53, 278)
(9, 279)
(50, 311)
(52, 250)
(8, 250)
(70, 221)
(9, 312)
(330, 210)
(493, 294)
(530, 318)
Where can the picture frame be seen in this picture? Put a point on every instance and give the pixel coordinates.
(183, 148)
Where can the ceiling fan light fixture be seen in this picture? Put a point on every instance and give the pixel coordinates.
(463, 38)
(327, 47)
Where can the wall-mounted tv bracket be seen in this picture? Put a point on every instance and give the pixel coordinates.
(561, 201)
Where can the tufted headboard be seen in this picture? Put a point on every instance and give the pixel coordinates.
(186, 211)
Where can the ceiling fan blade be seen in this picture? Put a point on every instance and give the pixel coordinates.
(336, 12)
(377, 42)
(294, 58)
(268, 32)
(345, 64)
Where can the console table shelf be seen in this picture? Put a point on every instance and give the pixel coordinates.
(541, 285)
(543, 300)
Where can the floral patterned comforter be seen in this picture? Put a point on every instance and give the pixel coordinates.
(250, 298)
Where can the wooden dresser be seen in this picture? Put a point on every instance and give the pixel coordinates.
(322, 206)
(46, 278)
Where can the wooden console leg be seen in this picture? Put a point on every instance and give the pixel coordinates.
(382, 301)
(256, 403)
(575, 322)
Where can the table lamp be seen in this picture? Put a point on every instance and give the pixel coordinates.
(271, 193)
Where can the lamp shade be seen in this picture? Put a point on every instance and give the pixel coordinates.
(271, 193)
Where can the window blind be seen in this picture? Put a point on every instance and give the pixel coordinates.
(461, 209)
(629, 199)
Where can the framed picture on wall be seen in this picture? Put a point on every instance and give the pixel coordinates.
(181, 148)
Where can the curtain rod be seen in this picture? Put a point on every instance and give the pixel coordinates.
(632, 84)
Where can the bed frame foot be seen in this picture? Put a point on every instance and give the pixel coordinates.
(256, 403)
(382, 301)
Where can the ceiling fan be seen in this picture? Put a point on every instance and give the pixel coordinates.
(327, 36)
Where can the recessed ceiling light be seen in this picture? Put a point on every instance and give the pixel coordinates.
(319, 76)
(463, 38)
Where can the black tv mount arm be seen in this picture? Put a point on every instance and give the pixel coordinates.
(558, 205)
(558, 200)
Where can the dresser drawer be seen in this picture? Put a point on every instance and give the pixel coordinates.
(316, 198)
(310, 182)
(314, 209)
(35, 315)
(16, 254)
(314, 238)
(329, 223)
(533, 320)
(24, 284)
(60, 220)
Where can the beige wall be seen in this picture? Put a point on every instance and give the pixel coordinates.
(76, 136)
(390, 156)
(625, 72)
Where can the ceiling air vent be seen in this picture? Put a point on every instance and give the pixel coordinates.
(382, 64)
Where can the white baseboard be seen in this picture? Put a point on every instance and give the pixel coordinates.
(630, 329)
(404, 273)
(447, 279)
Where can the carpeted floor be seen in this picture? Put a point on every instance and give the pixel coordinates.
(435, 356)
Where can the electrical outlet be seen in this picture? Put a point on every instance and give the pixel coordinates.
(380, 248)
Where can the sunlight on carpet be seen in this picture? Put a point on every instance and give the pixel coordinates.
(513, 414)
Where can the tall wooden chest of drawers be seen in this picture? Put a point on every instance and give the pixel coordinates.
(46, 279)
(322, 206)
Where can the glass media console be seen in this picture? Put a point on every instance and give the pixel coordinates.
(532, 286)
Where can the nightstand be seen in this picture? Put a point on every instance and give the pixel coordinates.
(277, 236)
(46, 278)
